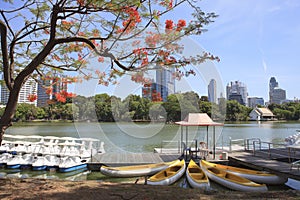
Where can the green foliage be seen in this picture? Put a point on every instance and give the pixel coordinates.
(286, 111)
(236, 111)
(106, 108)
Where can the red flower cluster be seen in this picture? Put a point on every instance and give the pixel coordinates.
(63, 95)
(142, 54)
(133, 19)
(152, 39)
(156, 96)
(169, 24)
(167, 3)
(139, 78)
(32, 97)
(49, 90)
(66, 24)
(80, 2)
(181, 23)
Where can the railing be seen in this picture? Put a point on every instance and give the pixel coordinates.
(268, 146)
(246, 144)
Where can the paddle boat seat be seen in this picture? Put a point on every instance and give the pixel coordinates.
(295, 164)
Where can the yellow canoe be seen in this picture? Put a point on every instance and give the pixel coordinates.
(135, 170)
(229, 179)
(196, 177)
(253, 175)
(168, 176)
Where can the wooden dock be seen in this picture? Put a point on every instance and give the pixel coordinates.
(277, 161)
(265, 162)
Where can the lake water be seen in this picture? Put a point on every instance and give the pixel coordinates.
(143, 137)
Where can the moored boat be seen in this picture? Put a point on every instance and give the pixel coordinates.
(253, 175)
(196, 177)
(39, 163)
(169, 175)
(72, 163)
(14, 162)
(229, 179)
(135, 170)
(4, 158)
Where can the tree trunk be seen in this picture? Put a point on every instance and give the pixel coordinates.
(10, 109)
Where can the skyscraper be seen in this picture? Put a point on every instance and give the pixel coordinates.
(237, 91)
(276, 94)
(165, 82)
(212, 91)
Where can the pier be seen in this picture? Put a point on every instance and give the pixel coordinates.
(255, 154)
(264, 163)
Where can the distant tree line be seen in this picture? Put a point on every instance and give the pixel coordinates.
(106, 108)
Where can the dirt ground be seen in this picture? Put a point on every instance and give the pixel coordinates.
(56, 189)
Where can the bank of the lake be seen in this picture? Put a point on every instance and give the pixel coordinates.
(53, 189)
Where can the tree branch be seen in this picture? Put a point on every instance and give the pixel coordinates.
(105, 53)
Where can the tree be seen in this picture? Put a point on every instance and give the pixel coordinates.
(103, 107)
(172, 107)
(41, 39)
(25, 112)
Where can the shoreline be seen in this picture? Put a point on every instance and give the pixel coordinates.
(61, 189)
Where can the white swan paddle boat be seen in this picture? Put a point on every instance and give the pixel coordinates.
(72, 163)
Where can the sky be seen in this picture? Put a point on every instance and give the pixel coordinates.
(255, 40)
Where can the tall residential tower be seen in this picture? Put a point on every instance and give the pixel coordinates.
(237, 91)
(276, 94)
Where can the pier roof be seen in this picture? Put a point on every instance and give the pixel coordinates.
(198, 119)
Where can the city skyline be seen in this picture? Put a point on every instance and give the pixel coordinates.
(255, 40)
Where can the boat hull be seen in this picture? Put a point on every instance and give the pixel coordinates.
(230, 180)
(264, 179)
(254, 175)
(169, 175)
(196, 177)
(39, 168)
(73, 168)
(134, 171)
(15, 166)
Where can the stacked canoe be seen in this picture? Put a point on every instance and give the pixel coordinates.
(167, 173)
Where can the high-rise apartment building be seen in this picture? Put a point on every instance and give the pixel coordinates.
(212, 91)
(29, 88)
(165, 82)
(237, 91)
(276, 94)
(161, 87)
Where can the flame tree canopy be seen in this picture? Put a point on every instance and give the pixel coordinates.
(41, 39)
